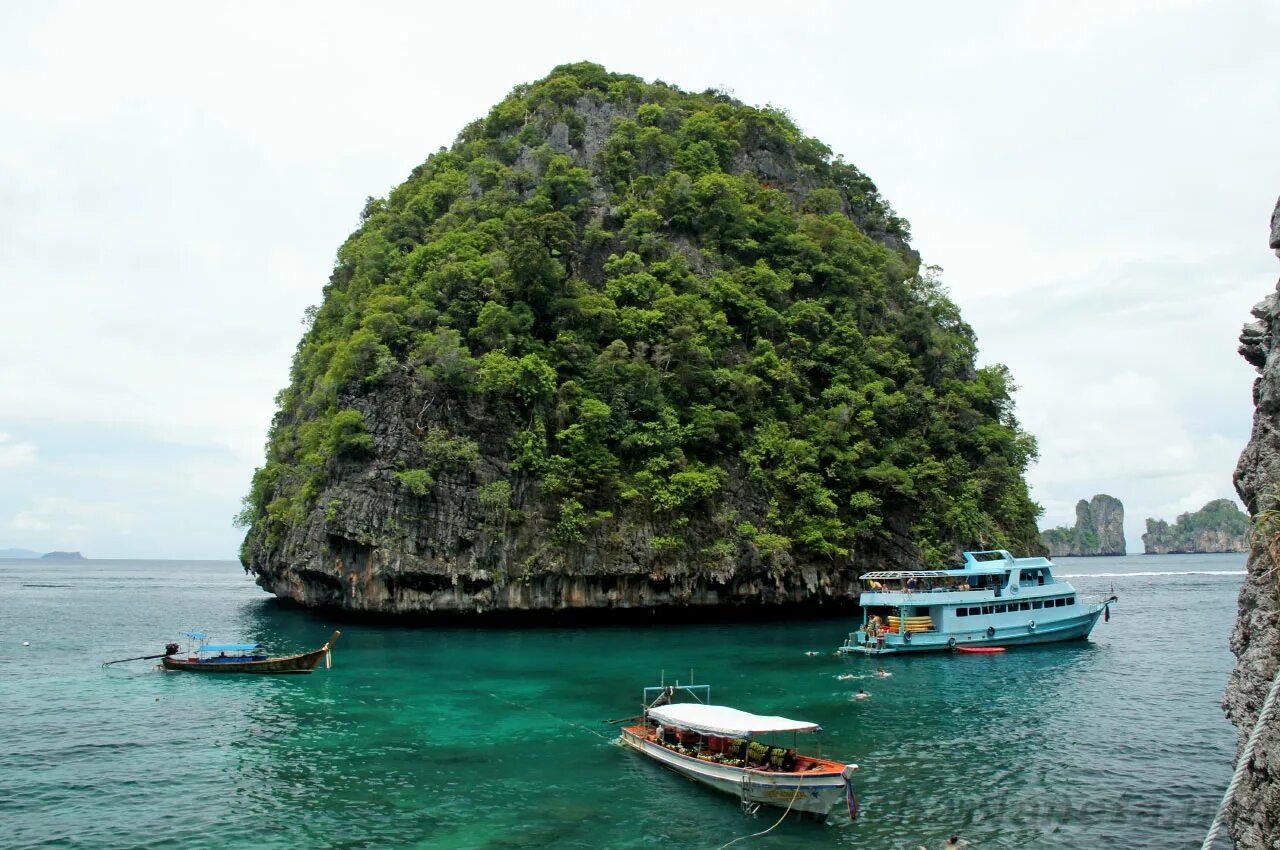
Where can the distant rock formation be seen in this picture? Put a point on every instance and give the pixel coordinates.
(18, 554)
(62, 556)
(1253, 819)
(1219, 526)
(1099, 530)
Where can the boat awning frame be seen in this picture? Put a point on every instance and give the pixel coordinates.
(230, 647)
(725, 721)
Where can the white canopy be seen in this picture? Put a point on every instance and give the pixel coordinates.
(722, 720)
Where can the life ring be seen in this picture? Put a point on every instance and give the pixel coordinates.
(1013, 589)
(1032, 625)
(951, 642)
(906, 637)
(991, 631)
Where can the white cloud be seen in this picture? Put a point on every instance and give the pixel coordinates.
(70, 518)
(1096, 186)
(14, 454)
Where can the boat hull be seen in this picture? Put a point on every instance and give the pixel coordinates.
(1069, 628)
(303, 662)
(816, 793)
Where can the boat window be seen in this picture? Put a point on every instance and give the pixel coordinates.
(1059, 602)
(1000, 609)
(986, 609)
(1071, 600)
(1025, 606)
(1037, 604)
(973, 612)
(962, 612)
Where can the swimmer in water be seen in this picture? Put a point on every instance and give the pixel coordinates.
(811, 652)
(883, 674)
(861, 694)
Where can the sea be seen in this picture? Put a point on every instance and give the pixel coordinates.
(483, 737)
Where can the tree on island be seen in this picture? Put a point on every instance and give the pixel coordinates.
(1220, 526)
(1099, 530)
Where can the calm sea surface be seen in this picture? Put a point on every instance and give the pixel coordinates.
(493, 738)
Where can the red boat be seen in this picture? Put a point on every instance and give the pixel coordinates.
(984, 649)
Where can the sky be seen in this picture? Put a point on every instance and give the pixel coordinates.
(1094, 178)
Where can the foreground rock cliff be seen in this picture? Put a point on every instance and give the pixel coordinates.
(624, 346)
(1099, 530)
(1254, 817)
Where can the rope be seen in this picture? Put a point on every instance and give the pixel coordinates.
(1245, 757)
(554, 717)
(770, 829)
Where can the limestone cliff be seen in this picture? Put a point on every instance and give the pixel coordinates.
(625, 346)
(1254, 817)
(1099, 530)
(1220, 526)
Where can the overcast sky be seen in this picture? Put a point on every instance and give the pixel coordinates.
(1095, 179)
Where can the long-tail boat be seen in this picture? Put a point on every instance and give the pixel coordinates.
(720, 747)
(242, 658)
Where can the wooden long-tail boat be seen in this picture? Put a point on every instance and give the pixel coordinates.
(244, 658)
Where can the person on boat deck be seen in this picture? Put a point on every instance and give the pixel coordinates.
(911, 585)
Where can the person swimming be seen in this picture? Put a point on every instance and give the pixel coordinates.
(861, 694)
(883, 674)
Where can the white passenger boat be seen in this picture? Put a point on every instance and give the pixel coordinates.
(994, 600)
(722, 747)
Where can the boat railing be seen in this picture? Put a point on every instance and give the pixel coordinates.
(654, 694)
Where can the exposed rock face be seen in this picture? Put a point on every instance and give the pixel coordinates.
(1254, 817)
(1220, 526)
(1099, 530)
(628, 347)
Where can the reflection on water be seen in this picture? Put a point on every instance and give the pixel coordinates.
(466, 737)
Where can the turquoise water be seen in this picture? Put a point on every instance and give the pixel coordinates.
(470, 738)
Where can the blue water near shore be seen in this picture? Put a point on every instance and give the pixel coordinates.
(492, 738)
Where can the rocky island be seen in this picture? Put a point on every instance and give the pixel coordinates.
(1099, 530)
(1253, 818)
(626, 346)
(1220, 526)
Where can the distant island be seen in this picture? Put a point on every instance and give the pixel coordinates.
(32, 555)
(1219, 526)
(1099, 530)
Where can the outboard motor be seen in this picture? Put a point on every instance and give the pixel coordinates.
(171, 649)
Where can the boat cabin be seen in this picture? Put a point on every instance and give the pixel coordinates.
(723, 735)
(201, 651)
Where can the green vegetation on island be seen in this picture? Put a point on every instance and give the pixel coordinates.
(1099, 530)
(1220, 526)
(655, 308)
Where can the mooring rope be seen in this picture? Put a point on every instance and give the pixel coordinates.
(770, 829)
(554, 717)
(1245, 757)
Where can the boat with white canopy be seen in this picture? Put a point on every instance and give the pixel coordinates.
(734, 751)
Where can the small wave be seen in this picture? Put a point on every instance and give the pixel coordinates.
(1134, 575)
